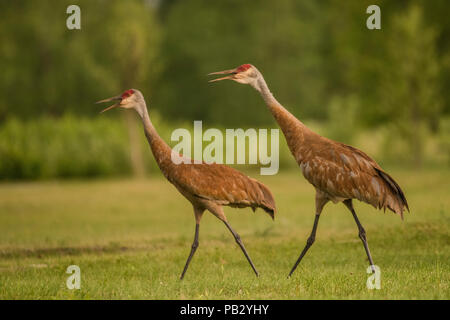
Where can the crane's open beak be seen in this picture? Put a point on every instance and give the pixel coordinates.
(116, 98)
(230, 76)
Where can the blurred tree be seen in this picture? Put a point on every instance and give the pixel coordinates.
(410, 87)
(356, 58)
(343, 123)
(47, 68)
(131, 42)
(50, 69)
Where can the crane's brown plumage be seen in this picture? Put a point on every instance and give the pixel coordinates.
(344, 172)
(222, 185)
(206, 186)
(338, 172)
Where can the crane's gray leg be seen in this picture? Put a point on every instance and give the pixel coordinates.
(309, 243)
(320, 203)
(198, 216)
(193, 249)
(362, 233)
(239, 242)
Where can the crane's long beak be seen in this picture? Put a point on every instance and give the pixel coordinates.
(230, 76)
(116, 98)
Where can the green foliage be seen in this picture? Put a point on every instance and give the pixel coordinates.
(47, 69)
(342, 122)
(73, 146)
(69, 147)
(310, 53)
(443, 143)
(410, 86)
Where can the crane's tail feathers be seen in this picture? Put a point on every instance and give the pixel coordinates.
(399, 202)
(265, 200)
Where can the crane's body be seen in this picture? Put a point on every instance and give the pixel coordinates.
(206, 186)
(209, 186)
(338, 172)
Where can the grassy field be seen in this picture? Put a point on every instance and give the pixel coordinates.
(131, 239)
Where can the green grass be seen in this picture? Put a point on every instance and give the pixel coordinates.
(131, 238)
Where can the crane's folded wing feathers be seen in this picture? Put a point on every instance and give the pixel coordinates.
(223, 185)
(344, 172)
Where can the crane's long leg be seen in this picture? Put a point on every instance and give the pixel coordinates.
(241, 245)
(309, 243)
(362, 233)
(320, 203)
(193, 249)
(198, 215)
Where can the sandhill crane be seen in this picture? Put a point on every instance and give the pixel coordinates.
(206, 186)
(338, 172)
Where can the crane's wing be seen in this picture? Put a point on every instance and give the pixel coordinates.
(345, 172)
(223, 185)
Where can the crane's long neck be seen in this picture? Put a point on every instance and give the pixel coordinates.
(160, 149)
(293, 129)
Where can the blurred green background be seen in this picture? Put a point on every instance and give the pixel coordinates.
(385, 91)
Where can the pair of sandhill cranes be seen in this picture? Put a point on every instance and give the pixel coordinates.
(338, 172)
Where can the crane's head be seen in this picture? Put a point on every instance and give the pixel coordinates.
(131, 98)
(246, 74)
